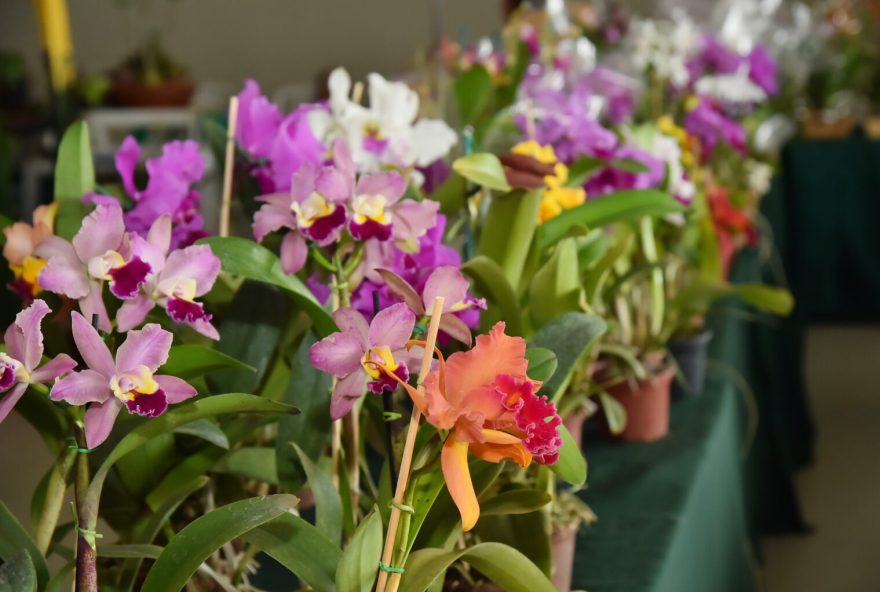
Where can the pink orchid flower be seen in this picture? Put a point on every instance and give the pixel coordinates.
(97, 254)
(129, 380)
(174, 282)
(354, 354)
(20, 365)
(21, 241)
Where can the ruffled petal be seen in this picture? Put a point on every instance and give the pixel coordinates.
(24, 338)
(101, 231)
(389, 184)
(197, 262)
(147, 347)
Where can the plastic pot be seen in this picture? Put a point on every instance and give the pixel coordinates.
(647, 406)
(562, 542)
(690, 353)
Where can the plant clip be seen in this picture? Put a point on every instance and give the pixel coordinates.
(391, 415)
(390, 569)
(74, 446)
(402, 507)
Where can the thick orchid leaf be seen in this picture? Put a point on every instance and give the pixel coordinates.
(626, 205)
(515, 501)
(570, 336)
(186, 551)
(629, 165)
(189, 361)
(328, 504)
(14, 539)
(250, 260)
(301, 548)
(74, 177)
(614, 413)
(132, 551)
(483, 169)
(493, 560)
(256, 463)
(518, 531)
(309, 390)
(473, 91)
(206, 430)
(556, 287)
(507, 235)
(571, 466)
(143, 468)
(701, 295)
(356, 571)
(17, 574)
(582, 169)
(542, 363)
(515, 71)
(490, 281)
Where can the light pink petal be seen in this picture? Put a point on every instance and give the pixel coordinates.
(412, 219)
(91, 347)
(197, 262)
(294, 252)
(206, 328)
(57, 366)
(448, 283)
(270, 218)
(82, 387)
(335, 185)
(160, 233)
(302, 183)
(351, 321)
(342, 157)
(338, 354)
(282, 200)
(93, 304)
(99, 421)
(146, 347)
(9, 399)
(101, 231)
(127, 158)
(346, 393)
(393, 326)
(55, 246)
(62, 276)
(133, 312)
(389, 184)
(176, 389)
(147, 252)
(24, 338)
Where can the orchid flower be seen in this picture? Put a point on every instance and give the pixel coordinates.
(386, 132)
(129, 380)
(174, 282)
(354, 354)
(490, 407)
(447, 282)
(21, 242)
(20, 365)
(556, 197)
(705, 121)
(97, 254)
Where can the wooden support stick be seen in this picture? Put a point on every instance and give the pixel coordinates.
(409, 445)
(226, 204)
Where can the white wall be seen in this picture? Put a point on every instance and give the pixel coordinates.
(274, 41)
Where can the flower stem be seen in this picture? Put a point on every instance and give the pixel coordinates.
(408, 449)
(86, 554)
(55, 491)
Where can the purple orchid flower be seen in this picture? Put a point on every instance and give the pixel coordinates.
(355, 354)
(98, 253)
(129, 380)
(20, 365)
(612, 179)
(763, 70)
(174, 283)
(710, 126)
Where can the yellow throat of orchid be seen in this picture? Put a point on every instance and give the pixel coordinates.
(376, 360)
(181, 288)
(371, 207)
(29, 271)
(20, 372)
(666, 126)
(128, 385)
(312, 209)
(100, 266)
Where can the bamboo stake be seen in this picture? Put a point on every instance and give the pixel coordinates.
(226, 204)
(408, 448)
(357, 92)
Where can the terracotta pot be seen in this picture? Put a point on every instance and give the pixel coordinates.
(646, 405)
(575, 423)
(562, 541)
(820, 127)
(690, 353)
(175, 92)
(872, 127)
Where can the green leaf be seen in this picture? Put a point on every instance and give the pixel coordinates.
(515, 71)
(17, 574)
(14, 539)
(473, 91)
(301, 548)
(515, 501)
(189, 361)
(629, 165)
(571, 465)
(328, 504)
(256, 463)
(56, 584)
(702, 294)
(491, 282)
(359, 564)
(483, 169)
(74, 177)
(556, 287)
(143, 467)
(132, 551)
(250, 260)
(451, 194)
(582, 169)
(309, 390)
(614, 413)
(198, 540)
(207, 431)
(542, 363)
(507, 234)
(504, 566)
(570, 336)
(625, 205)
